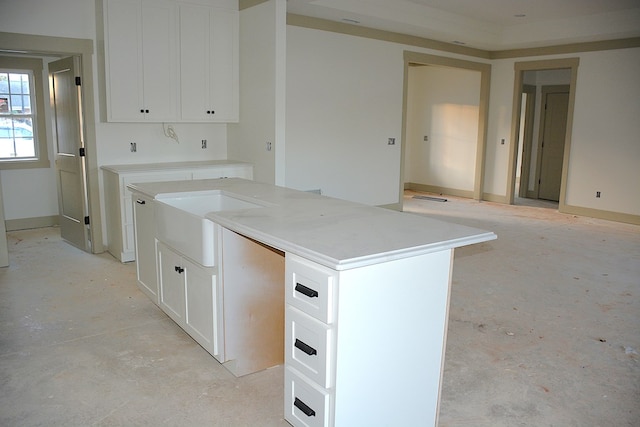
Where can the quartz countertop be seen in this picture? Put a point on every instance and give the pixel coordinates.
(336, 233)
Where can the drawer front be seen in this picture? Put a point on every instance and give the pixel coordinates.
(311, 288)
(310, 346)
(305, 404)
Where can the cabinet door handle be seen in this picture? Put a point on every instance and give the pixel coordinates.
(305, 347)
(179, 269)
(311, 293)
(304, 408)
(140, 202)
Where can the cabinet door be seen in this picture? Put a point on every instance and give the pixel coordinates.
(224, 65)
(195, 51)
(141, 55)
(209, 64)
(123, 55)
(171, 279)
(160, 60)
(145, 246)
(200, 297)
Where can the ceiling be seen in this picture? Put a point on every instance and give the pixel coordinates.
(486, 24)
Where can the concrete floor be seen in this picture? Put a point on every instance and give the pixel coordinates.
(544, 330)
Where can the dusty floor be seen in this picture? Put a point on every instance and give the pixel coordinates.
(544, 330)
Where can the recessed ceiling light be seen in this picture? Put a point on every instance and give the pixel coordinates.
(350, 21)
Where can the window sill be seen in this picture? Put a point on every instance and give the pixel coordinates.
(24, 164)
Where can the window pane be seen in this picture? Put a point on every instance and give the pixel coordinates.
(17, 139)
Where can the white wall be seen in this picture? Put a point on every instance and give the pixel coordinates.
(605, 146)
(344, 100)
(443, 105)
(262, 62)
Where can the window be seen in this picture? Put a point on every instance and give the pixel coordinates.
(22, 136)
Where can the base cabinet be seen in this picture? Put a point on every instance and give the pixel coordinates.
(347, 361)
(188, 295)
(143, 218)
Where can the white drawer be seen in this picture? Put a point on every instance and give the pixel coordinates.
(309, 346)
(311, 288)
(305, 404)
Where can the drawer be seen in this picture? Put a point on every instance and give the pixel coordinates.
(309, 346)
(311, 288)
(305, 404)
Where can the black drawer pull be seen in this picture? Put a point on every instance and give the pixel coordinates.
(140, 202)
(305, 347)
(311, 293)
(304, 408)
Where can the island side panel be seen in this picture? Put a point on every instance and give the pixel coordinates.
(392, 320)
(253, 288)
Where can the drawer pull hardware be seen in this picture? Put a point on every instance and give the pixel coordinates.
(140, 202)
(304, 408)
(311, 293)
(305, 347)
(179, 269)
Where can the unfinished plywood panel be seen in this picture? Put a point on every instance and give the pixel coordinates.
(253, 280)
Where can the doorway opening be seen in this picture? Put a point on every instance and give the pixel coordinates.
(444, 132)
(544, 95)
(53, 48)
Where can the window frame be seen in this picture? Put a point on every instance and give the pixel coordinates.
(34, 65)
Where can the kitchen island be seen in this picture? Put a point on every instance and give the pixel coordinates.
(364, 292)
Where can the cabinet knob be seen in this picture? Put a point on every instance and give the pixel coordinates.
(146, 111)
(304, 408)
(179, 269)
(142, 110)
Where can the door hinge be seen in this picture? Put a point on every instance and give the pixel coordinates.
(78, 81)
(86, 220)
(82, 152)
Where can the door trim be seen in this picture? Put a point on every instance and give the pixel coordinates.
(520, 68)
(64, 46)
(483, 111)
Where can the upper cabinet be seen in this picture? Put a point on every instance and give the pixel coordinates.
(209, 64)
(170, 61)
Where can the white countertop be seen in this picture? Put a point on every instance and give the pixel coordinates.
(332, 232)
(150, 167)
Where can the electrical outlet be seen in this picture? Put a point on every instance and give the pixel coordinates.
(426, 138)
(268, 146)
(133, 147)
(597, 194)
(502, 141)
(391, 141)
(204, 143)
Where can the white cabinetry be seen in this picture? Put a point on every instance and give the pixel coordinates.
(347, 361)
(144, 220)
(188, 294)
(118, 201)
(167, 60)
(141, 56)
(209, 64)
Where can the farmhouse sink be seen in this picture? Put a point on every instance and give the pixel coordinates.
(181, 222)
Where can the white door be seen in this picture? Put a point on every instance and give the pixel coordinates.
(66, 102)
(554, 133)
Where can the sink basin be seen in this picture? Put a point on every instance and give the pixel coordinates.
(181, 223)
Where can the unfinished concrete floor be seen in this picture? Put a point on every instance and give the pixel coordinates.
(544, 330)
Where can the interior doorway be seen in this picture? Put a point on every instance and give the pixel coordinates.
(549, 83)
(460, 161)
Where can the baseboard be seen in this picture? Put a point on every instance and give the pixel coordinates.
(28, 223)
(438, 190)
(600, 214)
(496, 198)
